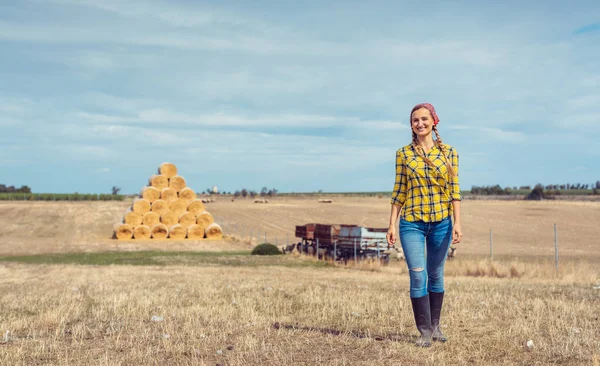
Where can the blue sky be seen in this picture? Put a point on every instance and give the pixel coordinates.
(298, 96)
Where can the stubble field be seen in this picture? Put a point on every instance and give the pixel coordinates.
(221, 306)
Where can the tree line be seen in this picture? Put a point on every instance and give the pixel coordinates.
(264, 192)
(497, 190)
(12, 189)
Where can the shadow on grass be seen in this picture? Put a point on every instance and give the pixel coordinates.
(394, 337)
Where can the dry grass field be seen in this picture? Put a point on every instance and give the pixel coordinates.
(222, 306)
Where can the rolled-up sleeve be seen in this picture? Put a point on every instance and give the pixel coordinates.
(454, 186)
(400, 185)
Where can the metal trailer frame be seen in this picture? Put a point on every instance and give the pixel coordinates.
(344, 242)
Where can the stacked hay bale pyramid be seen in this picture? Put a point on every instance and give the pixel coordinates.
(167, 208)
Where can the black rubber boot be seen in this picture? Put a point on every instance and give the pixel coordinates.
(436, 299)
(422, 313)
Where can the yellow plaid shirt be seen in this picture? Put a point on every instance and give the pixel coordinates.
(424, 192)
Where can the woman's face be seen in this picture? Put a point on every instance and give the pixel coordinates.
(421, 122)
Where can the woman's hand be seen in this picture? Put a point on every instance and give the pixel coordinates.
(456, 234)
(391, 235)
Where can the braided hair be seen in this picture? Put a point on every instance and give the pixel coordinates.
(439, 144)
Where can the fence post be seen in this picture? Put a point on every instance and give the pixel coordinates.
(555, 248)
(334, 251)
(355, 250)
(491, 246)
(317, 248)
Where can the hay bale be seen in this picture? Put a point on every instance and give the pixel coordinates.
(187, 194)
(150, 194)
(187, 219)
(196, 232)
(159, 231)
(160, 207)
(204, 219)
(140, 206)
(141, 232)
(178, 206)
(214, 232)
(168, 195)
(158, 181)
(167, 169)
(132, 218)
(169, 218)
(177, 183)
(177, 231)
(151, 218)
(196, 206)
(123, 231)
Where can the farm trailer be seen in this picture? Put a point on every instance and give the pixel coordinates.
(344, 242)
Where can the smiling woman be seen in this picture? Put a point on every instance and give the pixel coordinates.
(426, 194)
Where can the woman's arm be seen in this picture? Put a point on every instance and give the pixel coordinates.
(456, 197)
(456, 229)
(398, 197)
(391, 234)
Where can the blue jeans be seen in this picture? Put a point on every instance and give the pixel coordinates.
(425, 276)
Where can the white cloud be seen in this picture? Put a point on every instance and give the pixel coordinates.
(162, 116)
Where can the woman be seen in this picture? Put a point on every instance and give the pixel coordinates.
(426, 195)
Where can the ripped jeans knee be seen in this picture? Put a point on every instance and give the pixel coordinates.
(418, 282)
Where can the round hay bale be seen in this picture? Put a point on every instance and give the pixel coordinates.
(159, 231)
(141, 232)
(196, 232)
(169, 218)
(178, 206)
(204, 219)
(214, 232)
(196, 206)
(187, 219)
(177, 183)
(160, 207)
(133, 218)
(168, 195)
(140, 206)
(151, 218)
(150, 194)
(177, 231)
(167, 169)
(158, 181)
(187, 194)
(123, 231)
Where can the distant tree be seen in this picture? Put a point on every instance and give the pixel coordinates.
(252, 193)
(537, 193)
(237, 194)
(264, 191)
(115, 190)
(24, 189)
(272, 192)
(244, 192)
(10, 189)
(598, 184)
